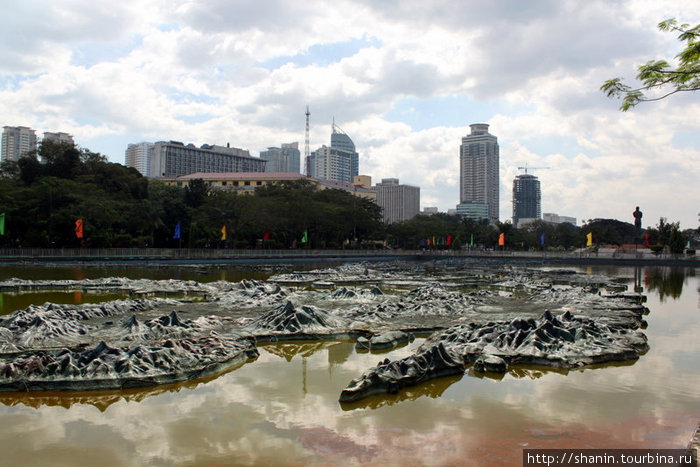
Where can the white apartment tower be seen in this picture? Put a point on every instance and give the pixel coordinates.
(478, 173)
(59, 137)
(398, 202)
(17, 141)
(138, 156)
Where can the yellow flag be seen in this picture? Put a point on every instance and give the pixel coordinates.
(223, 233)
(589, 239)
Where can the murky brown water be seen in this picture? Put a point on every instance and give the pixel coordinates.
(282, 409)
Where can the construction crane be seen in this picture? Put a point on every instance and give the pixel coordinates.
(525, 167)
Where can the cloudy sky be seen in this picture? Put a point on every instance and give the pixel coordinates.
(404, 79)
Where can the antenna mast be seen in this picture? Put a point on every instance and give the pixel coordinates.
(306, 144)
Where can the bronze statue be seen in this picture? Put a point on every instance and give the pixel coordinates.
(637, 220)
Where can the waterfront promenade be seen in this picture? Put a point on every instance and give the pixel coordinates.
(187, 255)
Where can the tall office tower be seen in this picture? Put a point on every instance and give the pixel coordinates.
(59, 137)
(339, 162)
(478, 174)
(398, 202)
(527, 199)
(138, 156)
(17, 141)
(284, 159)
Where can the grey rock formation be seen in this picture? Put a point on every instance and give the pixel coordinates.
(383, 341)
(390, 376)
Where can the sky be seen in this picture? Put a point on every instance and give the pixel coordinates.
(404, 79)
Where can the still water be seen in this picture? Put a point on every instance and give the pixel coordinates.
(283, 408)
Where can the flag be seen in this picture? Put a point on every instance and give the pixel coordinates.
(79, 228)
(223, 233)
(176, 235)
(305, 237)
(502, 239)
(646, 239)
(2, 224)
(266, 236)
(422, 241)
(542, 239)
(687, 245)
(449, 240)
(589, 239)
(471, 240)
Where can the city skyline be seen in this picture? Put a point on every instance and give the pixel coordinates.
(218, 72)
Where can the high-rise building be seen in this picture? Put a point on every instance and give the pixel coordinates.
(554, 218)
(174, 159)
(398, 202)
(17, 141)
(478, 173)
(59, 137)
(527, 199)
(284, 159)
(339, 162)
(138, 156)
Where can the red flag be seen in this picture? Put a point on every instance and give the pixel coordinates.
(502, 239)
(79, 228)
(266, 236)
(449, 240)
(646, 239)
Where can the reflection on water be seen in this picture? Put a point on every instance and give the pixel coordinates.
(667, 282)
(283, 409)
(13, 301)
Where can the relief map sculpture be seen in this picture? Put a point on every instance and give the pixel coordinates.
(476, 318)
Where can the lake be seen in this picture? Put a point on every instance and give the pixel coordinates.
(283, 408)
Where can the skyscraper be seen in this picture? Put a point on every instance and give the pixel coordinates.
(138, 156)
(17, 141)
(284, 159)
(339, 162)
(478, 173)
(527, 199)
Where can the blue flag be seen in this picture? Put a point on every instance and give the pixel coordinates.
(176, 235)
(542, 239)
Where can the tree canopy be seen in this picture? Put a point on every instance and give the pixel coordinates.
(659, 78)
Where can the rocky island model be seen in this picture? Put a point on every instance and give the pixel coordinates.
(477, 319)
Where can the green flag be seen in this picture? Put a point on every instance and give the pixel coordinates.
(305, 237)
(2, 224)
(471, 240)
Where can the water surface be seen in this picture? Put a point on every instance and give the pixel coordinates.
(283, 408)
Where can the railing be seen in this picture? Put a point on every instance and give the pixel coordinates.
(86, 254)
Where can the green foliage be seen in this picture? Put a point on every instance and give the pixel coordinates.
(659, 75)
(611, 232)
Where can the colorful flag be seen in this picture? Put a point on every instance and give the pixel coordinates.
(305, 237)
(542, 239)
(589, 239)
(176, 235)
(2, 224)
(266, 236)
(223, 233)
(502, 239)
(79, 228)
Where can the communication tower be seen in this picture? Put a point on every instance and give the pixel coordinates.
(307, 160)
